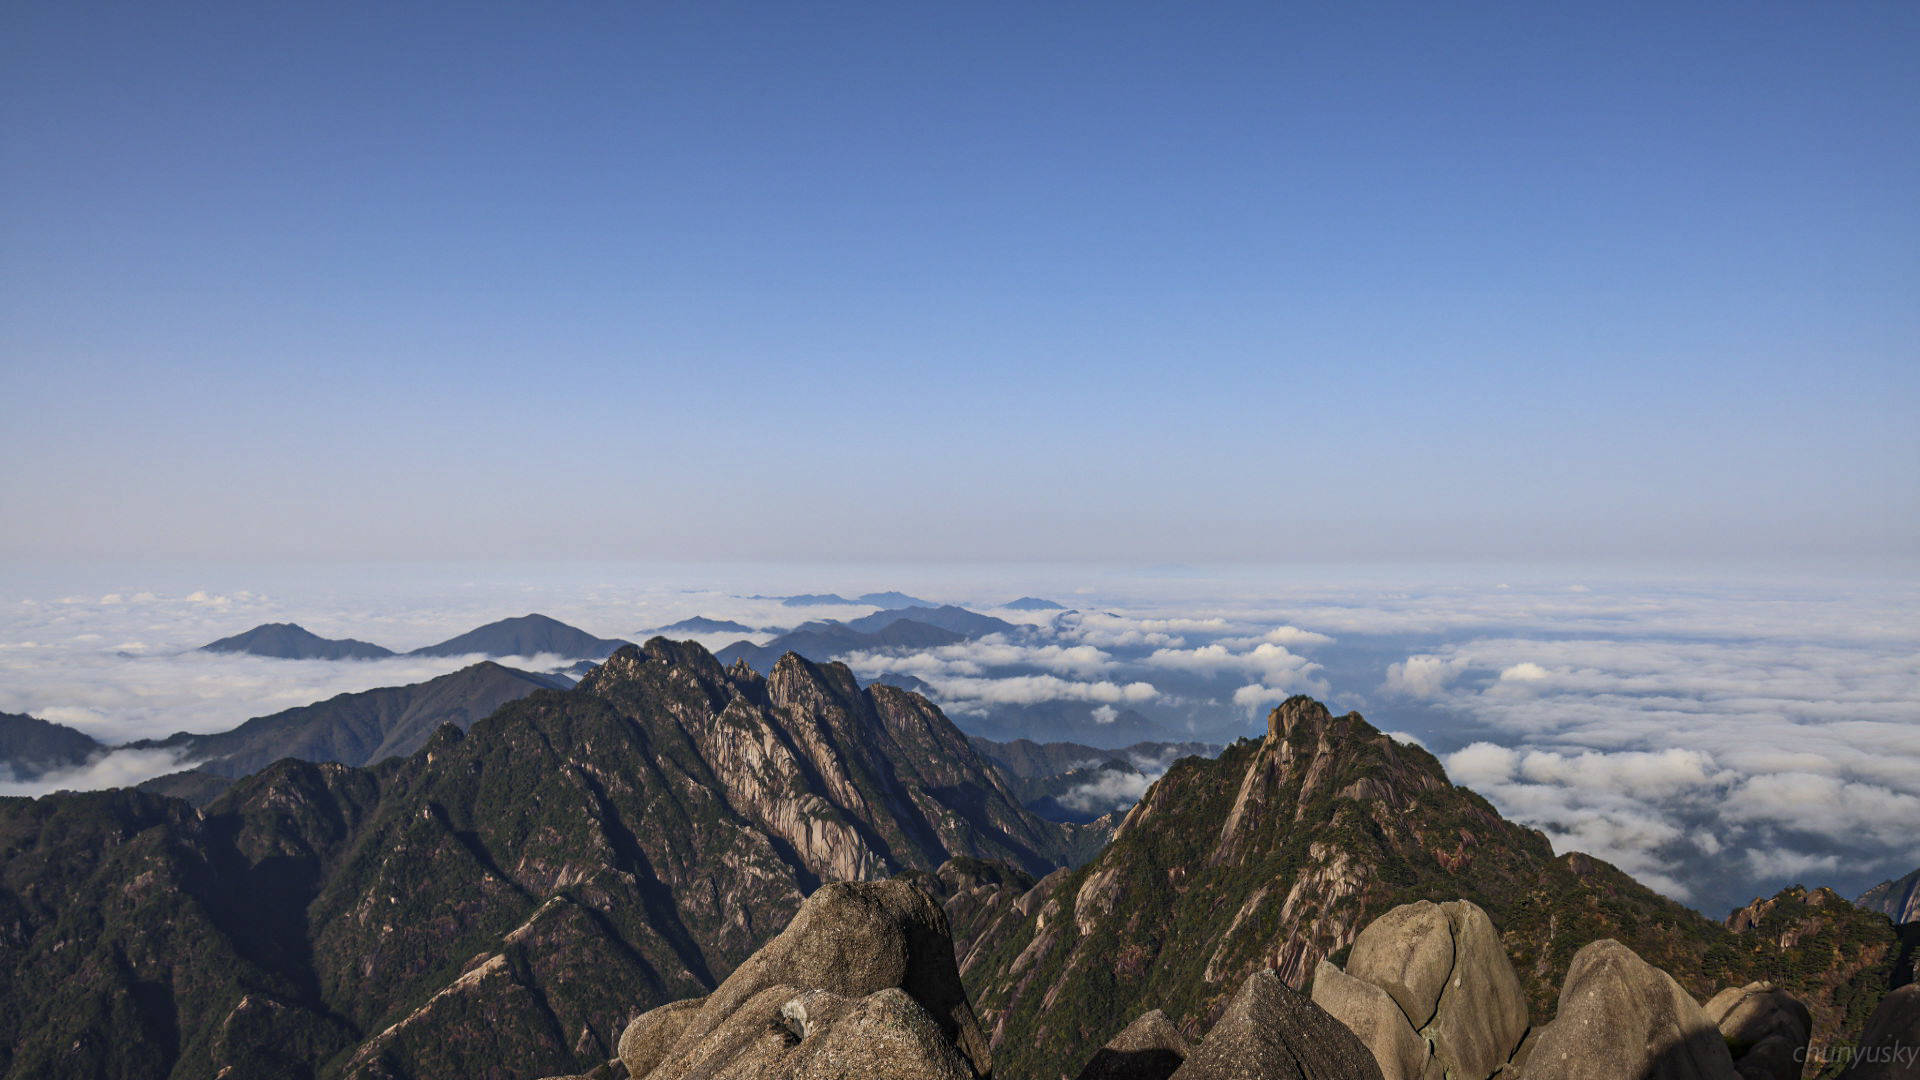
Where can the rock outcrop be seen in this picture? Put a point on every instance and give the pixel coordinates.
(1428, 987)
(1889, 1049)
(646, 1041)
(1620, 1017)
(861, 983)
(1766, 1029)
(1270, 1032)
(1150, 1048)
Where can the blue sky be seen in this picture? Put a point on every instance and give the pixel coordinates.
(968, 281)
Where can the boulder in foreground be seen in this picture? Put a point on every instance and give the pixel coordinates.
(861, 983)
(1270, 1032)
(1150, 1048)
(1621, 1017)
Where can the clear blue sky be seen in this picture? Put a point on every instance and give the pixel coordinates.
(1114, 280)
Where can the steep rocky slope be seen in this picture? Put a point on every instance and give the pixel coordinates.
(1898, 900)
(1277, 854)
(496, 905)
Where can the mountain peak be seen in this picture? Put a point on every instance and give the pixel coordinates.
(636, 665)
(291, 641)
(525, 635)
(1296, 712)
(798, 682)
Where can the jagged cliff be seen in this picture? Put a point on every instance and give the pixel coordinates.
(1898, 900)
(499, 902)
(1277, 854)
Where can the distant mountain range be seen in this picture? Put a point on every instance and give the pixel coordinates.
(288, 641)
(357, 729)
(883, 631)
(1033, 603)
(877, 599)
(827, 640)
(526, 635)
(893, 600)
(700, 624)
(353, 729)
(957, 620)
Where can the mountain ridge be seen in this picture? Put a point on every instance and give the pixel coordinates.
(360, 728)
(31, 747)
(525, 635)
(1277, 853)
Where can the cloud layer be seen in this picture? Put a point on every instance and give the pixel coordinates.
(1712, 735)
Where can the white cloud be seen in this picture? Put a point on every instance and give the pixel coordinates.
(1032, 689)
(1669, 725)
(118, 768)
(1421, 676)
(1105, 714)
(1295, 638)
(1527, 671)
(1253, 697)
(1785, 866)
(1482, 765)
(1108, 791)
(1274, 665)
(1826, 805)
(978, 657)
(1110, 630)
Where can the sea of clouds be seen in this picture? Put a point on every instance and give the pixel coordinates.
(1716, 734)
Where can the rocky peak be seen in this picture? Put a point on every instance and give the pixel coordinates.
(1298, 713)
(1276, 854)
(798, 683)
(626, 664)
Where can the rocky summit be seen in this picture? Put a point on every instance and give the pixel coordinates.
(1279, 853)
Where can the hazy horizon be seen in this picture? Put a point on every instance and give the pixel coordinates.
(1717, 735)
